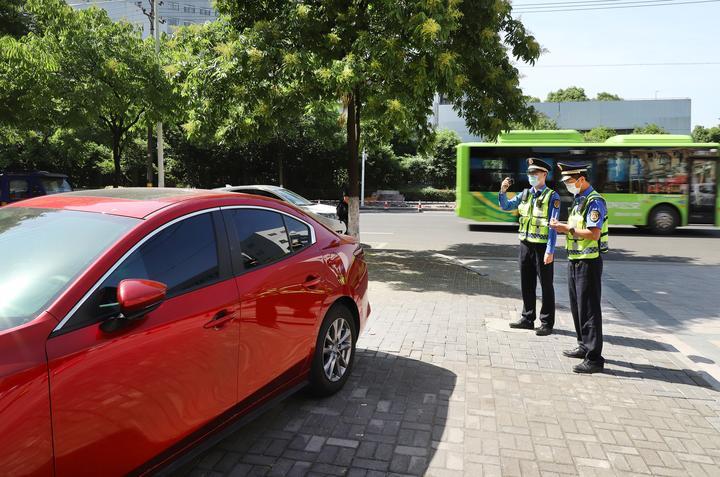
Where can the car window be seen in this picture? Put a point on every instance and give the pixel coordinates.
(42, 251)
(261, 235)
(56, 185)
(298, 232)
(259, 192)
(293, 198)
(183, 256)
(18, 189)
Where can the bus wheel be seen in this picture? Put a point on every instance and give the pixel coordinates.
(663, 220)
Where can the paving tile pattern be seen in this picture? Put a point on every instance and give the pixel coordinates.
(442, 387)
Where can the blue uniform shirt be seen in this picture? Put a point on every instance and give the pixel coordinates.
(597, 205)
(553, 213)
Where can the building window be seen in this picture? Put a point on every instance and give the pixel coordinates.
(187, 23)
(173, 21)
(205, 11)
(174, 6)
(189, 8)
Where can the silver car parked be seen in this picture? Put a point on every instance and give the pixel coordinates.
(327, 213)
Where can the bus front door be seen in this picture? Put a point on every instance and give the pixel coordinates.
(703, 190)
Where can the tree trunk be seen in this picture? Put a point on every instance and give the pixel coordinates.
(150, 157)
(353, 180)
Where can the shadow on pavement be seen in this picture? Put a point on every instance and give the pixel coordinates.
(640, 343)
(658, 373)
(388, 400)
(490, 250)
(424, 272)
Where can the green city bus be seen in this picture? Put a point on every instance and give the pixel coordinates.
(658, 181)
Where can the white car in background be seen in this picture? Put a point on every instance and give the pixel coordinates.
(327, 213)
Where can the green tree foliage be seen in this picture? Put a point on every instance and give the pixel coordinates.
(573, 93)
(703, 134)
(81, 71)
(384, 62)
(607, 97)
(14, 20)
(444, 158)
(599, 134)
(532, 99)
(650, 129)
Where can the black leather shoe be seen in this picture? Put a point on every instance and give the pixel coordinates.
(575, 353)
(586, 367)
(522, 324)
(543, 331)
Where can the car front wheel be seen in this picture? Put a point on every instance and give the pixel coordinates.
(334, 352)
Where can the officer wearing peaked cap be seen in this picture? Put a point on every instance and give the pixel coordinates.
(536, 207)
(587, 238)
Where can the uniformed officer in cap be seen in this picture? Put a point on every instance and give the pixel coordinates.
(587, 239)
(536, 207)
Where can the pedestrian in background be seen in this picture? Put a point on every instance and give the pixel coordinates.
(587, 238)
(342, 208)
(536, 206)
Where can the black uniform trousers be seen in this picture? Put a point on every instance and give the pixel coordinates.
(532, 256)
(585, 287)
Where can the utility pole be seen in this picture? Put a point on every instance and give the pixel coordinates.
(362, 178)
(160, 147)
(154, 17)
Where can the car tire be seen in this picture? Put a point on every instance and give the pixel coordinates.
(334, 352)
(663, 220)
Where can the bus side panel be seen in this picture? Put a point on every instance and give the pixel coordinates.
(463, 201)
(480, 206)
(633, 209)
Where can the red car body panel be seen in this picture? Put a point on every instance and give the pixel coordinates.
(118, 401)
(26, 437)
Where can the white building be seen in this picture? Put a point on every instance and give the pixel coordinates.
(173, 14)
(623, 116)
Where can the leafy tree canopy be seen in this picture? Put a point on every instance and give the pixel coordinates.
(604, 96)
(599, 134)
(573, 93)
(650, 129)
(703, 134)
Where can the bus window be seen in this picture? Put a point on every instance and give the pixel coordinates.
(612, 172)
(486, 174)
(659, 171)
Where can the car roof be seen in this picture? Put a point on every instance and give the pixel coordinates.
(33, 173)
(246, 187)
(136, 202)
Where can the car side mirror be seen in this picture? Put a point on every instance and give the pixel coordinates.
(135, 298)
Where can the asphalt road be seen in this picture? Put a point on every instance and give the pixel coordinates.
(446, 233)
(668, 285)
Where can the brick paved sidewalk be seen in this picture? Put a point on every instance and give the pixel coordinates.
(442, 387)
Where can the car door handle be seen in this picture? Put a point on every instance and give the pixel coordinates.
(219, 320)
(311, 282)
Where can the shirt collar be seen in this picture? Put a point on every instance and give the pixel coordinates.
(586, 192)
(537, 191)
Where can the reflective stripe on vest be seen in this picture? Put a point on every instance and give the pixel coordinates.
(579, 248)
(534, 216)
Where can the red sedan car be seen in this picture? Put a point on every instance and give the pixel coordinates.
(136, 323)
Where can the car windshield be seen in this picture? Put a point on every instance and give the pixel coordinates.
(56, 185)
(292, 197)
(43, 250)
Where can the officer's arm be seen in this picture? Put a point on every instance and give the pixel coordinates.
(590, 233)
(509, 204)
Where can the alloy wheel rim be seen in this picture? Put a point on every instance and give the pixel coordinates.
(663, 220)
(337, 350)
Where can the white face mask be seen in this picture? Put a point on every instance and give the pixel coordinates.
(572, 188)
(534, 180)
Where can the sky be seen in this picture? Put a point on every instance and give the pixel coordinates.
(663, 34)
